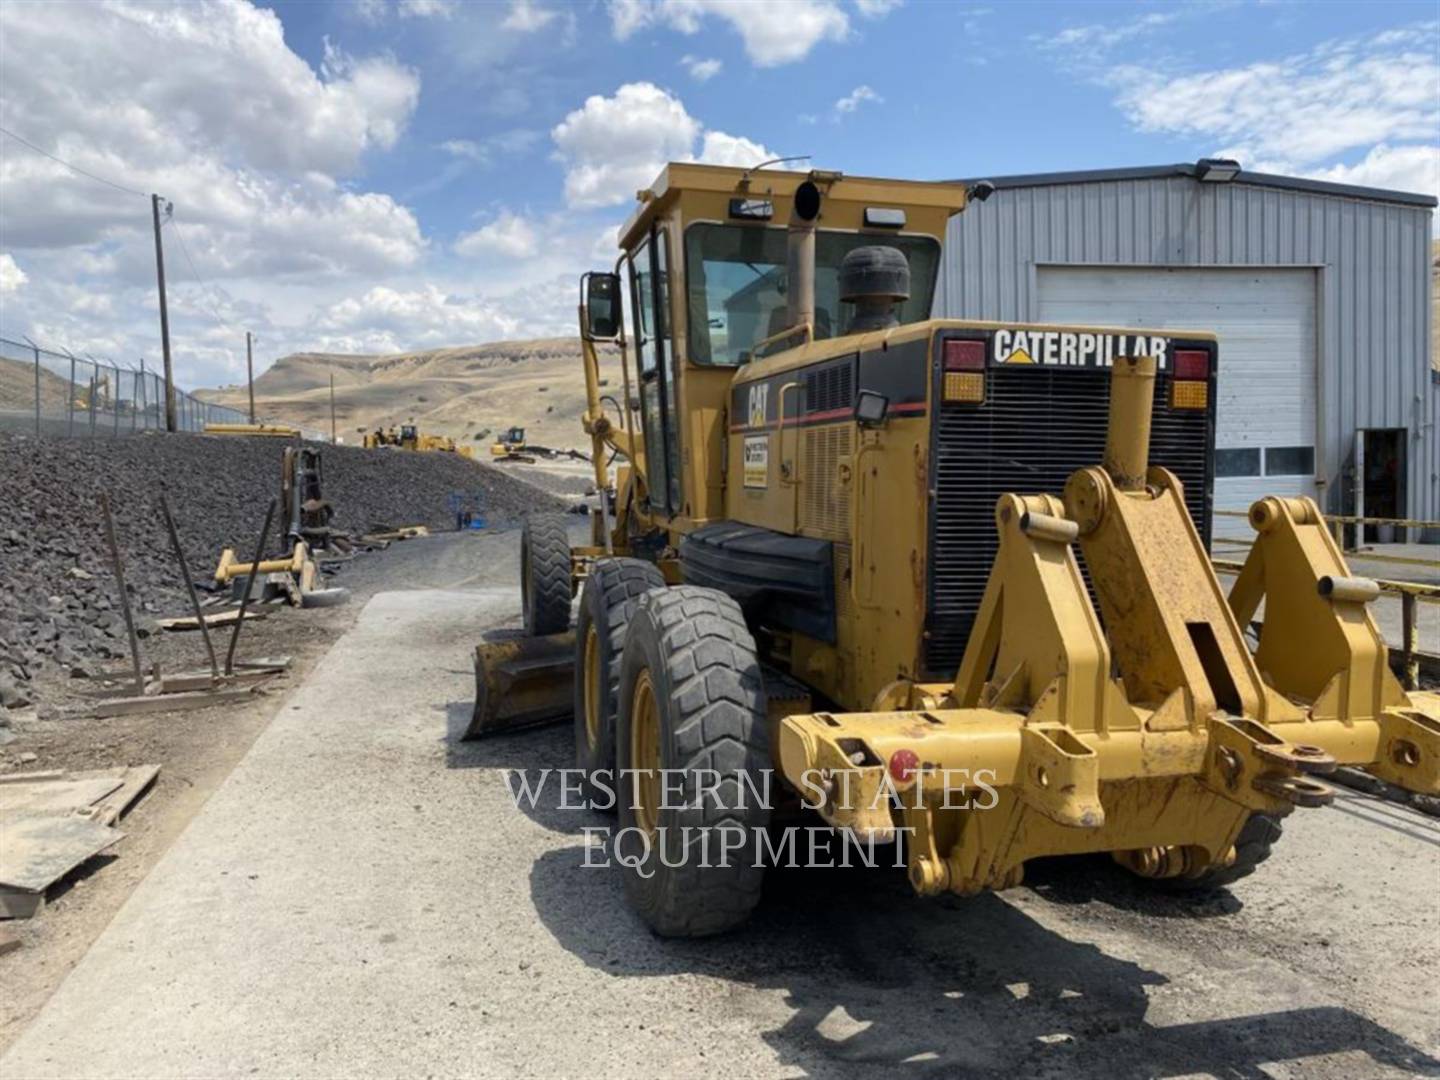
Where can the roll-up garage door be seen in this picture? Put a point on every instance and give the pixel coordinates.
(1265, 320)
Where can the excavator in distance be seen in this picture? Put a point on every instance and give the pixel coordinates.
(842, 550)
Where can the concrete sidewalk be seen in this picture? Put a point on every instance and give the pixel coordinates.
(316, 916)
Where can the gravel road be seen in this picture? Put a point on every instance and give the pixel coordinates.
(362, 897)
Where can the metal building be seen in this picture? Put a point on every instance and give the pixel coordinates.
(1319, 292)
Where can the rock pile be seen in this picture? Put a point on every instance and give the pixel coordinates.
(58, 605)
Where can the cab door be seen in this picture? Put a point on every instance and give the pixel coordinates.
(656, 374)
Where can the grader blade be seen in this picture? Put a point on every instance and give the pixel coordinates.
(522, 682)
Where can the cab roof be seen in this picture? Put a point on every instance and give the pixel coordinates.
(779, 185)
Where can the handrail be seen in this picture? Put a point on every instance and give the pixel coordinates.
(1357, 553)
(1350, 519)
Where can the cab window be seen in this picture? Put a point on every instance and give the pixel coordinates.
(650, 297)
(735, 277)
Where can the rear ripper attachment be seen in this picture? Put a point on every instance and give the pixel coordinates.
(1157, 739)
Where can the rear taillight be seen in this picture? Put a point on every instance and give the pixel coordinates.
(964, 355)
(1190, 379)
(964, 371)
(1192, 364)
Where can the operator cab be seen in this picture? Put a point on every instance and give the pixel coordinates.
(706, 280)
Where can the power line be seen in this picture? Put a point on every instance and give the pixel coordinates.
(74, 168)
(204, 285)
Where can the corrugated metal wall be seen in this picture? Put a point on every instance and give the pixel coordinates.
(1374, 307)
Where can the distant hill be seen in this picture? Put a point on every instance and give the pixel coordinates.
(458, 391)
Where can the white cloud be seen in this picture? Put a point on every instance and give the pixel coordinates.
(876, 9)
(526, 17)
(615, 146)
(1304, 107)
(386, 319)
(485, 151)
(426, 9)
(1398, 168)
(701, 70)
(773, 33)
(1301, 113)
(718, 148)
(377, 11)
(510, 235)
(857, 97)
(11, 276)
(1106, 36)
(206, 104)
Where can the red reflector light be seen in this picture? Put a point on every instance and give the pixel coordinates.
(903, 764)
(1192, 364)
(964, 355)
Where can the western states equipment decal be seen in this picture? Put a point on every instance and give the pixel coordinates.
(756, 452)
(1073, 348)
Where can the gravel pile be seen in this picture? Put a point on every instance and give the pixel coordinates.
(58, 605)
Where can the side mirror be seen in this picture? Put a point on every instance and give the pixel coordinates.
(600, 294)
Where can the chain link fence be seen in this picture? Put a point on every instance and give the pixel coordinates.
(52, 393)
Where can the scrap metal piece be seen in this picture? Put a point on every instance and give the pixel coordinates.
(119, 569)
(249, 585)
(189, 582)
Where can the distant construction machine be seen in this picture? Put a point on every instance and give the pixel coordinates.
(843, 552)
(509, 445)
(408, 437)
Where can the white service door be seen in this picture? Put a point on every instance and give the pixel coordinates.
(1265, 321)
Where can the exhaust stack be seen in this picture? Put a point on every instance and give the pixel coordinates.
(800, 257)
(1127, 437)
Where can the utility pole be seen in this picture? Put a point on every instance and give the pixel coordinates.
(332, 409)
(250, 375)
(164, 317)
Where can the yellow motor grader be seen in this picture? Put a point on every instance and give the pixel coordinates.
(939, 580)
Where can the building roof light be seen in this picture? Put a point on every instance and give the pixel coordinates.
(1216, 170)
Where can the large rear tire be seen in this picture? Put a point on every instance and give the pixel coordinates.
(606, 603)
(693, 707)
(545, 583)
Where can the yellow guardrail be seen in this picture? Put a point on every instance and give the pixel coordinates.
(1337, 523)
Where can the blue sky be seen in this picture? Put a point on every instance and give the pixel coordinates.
(387, 174)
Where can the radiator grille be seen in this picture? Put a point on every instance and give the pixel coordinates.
(1037, 426)
(829, 388)
(824, 499)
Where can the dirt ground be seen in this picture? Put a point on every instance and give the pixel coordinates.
(195, 751)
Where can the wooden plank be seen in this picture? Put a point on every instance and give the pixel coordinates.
(137, 780)
(276, 663)
(35, 852)
(29, 777)
(219, 618)
(19, 904)
(202, 699)
(178, 684)
(59, 796)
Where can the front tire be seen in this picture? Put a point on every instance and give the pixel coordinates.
(545, 582)
(692, 723)
(606, 604)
